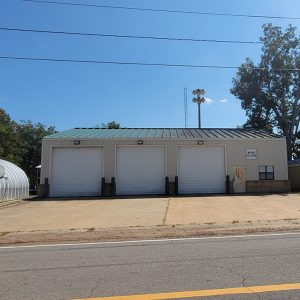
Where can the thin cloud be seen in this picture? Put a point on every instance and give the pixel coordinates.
(209, 101)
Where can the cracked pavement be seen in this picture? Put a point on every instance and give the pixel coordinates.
(80, 271)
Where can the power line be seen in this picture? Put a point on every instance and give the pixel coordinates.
(47, 59)
(128, 36)
(162, 10)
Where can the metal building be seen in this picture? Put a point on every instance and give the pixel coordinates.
(108, 162)
(14, 183)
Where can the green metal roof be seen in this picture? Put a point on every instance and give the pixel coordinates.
(163, 133)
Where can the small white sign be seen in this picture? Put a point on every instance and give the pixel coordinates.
(251, 154)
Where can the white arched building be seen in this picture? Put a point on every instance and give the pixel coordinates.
(14, 183)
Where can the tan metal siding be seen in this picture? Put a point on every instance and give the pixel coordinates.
(269, 152)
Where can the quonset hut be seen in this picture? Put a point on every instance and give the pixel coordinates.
(14, 183)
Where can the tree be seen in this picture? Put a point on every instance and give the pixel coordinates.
(10, 142)
(270, 90)
(21, 143)
(31, 136)
(111, 125)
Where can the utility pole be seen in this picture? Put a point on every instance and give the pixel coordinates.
(199, 99)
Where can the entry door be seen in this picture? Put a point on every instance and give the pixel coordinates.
(140, 170)
(201, 170)
(239, 179)
(76, 172)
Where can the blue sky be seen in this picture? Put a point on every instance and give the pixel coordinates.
(81, 95)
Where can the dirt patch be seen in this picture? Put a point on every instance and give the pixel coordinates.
(142, 233)
(9, 203)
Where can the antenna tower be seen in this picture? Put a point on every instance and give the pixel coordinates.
(185, 109)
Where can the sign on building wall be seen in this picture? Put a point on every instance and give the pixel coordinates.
(251, 154)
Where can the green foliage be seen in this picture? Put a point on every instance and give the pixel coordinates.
(22, 143)
(31, 137)
(10, 142)
(111, 125)
(268, 94)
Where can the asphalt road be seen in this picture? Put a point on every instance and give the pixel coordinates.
(128, 268)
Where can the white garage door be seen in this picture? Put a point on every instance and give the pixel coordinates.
(201, 170)
(140, 170)
(76, 172)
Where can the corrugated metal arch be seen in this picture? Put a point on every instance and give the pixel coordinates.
(15, 184)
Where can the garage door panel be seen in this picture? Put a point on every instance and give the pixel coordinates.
(76, 172)
(140, 170)
(201, 170)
